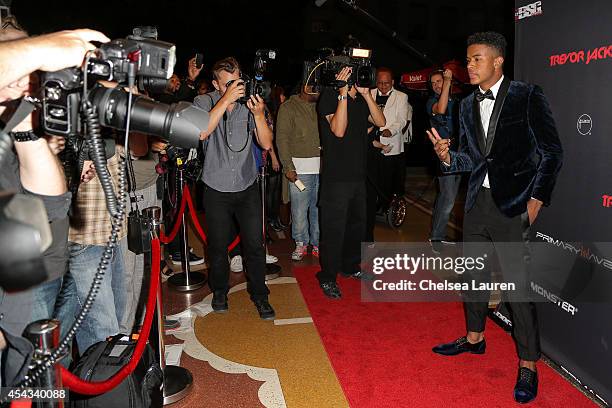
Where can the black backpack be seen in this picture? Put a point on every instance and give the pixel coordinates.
(142, 388)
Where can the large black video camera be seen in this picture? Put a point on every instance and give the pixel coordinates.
(323, 70)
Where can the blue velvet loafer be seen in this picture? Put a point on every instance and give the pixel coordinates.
(461, 345)
(526, 388)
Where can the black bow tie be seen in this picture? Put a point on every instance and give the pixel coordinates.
(482, 96)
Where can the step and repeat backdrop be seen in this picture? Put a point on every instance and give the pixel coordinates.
(566, 47)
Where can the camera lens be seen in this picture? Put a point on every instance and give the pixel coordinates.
(366, 77)
(180, 123)
(152, 85)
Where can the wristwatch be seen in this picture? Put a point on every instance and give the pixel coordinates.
(341, 97)
(24, 136)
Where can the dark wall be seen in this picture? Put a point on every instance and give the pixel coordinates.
(437, 28)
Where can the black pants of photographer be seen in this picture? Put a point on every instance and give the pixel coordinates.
(391, 176)
(170, 206)
(274, 182)
(245, 207)
(342, 217)
(371, 209)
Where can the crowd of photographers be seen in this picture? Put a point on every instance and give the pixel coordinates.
(346, 122)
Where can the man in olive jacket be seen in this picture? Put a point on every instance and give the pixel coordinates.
(297, 138)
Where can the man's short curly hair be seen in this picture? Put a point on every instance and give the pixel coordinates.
(490, 38)
(229, 64)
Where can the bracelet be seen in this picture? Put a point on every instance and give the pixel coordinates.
(24, 136)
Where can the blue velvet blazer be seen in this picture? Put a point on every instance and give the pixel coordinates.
(522, 152)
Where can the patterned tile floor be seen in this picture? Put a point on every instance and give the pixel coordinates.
(216, 389)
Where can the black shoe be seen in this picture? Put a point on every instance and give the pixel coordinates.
(366, 276)
(526, 388)
(436, 245)
(265, 310)
(331, 290)
(461, 345)
(276, 225)
(219, 302)
(165, 269)
(193, 258)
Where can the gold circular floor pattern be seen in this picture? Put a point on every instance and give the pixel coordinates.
(293, 349)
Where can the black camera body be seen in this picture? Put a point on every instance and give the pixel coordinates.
(153, 62)
(253, 87)
(153, 58)
(257, 85)
(149, 62)
(323, 70)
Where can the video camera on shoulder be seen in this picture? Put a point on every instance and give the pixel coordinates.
(323, 70)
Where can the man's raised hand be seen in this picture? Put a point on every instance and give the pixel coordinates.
(441, 146)
(65, 49)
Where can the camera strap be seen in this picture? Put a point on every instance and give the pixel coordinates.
(249, 133)
(138, 237)
(25, 107)
(131, 181)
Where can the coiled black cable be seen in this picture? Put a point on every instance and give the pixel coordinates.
(116, 223)
(97, 153)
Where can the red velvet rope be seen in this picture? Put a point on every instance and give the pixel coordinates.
(177, 223)
(99, 387)
(187, 201)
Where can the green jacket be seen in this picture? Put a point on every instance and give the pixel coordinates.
(297, 131)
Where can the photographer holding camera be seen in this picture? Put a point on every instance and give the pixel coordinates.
(230, 182)
(344, 118)
(34, 170)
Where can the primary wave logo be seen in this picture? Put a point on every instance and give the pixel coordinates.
(580, 250)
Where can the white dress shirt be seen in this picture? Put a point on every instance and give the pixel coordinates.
(486, 109)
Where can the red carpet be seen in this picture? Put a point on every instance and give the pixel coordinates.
(382, 356)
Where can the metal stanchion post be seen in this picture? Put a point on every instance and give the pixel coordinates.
(44, 335)
(177, 380)
(272, 271)
(186, 280)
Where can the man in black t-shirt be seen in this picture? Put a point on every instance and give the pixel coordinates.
(344, 118)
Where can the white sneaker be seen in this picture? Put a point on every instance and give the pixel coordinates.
(270, 259)
(236, 264)
(299, 251)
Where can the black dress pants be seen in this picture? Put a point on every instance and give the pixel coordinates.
(342, 217)
(221, 211)
(486, 231)
(392, 175)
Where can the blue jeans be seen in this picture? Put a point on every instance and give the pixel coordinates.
(55, 300)
(304, 210)
(449, 186)
(107, 310)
